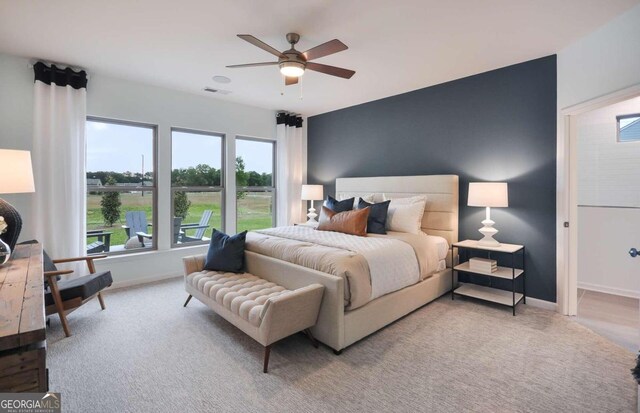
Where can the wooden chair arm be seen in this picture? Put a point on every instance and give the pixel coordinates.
(89, 261)
(50, 274)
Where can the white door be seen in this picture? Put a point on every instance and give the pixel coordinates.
(606, 202)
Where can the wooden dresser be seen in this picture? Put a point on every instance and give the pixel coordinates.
(22, 322)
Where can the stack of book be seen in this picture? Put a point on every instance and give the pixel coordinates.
(483, 264)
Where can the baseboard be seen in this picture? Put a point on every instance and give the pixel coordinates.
(547, 305)
(143, 280)
(609, 290)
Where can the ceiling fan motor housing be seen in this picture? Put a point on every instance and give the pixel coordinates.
(292, 63)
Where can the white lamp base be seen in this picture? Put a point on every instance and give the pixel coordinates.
(312, 215)
(488, 231)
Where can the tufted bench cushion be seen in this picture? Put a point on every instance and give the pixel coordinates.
(264, 310)
(245, 295)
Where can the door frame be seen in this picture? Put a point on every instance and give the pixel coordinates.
(567, 200)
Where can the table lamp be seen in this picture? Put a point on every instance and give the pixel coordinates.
(16, 176)
(488, 194)
(312, 193)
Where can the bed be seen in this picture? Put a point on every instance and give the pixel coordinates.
(356, 305)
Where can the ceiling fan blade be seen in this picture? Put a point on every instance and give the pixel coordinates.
(330, 70)
(253, 65)
(325, 49)
(259, 43)
(290, 80)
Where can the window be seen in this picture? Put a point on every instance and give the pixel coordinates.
(121, 186)
(628, 128)
(255, 181)
(197, 185)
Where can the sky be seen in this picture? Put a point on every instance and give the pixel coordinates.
(119, 148)
(624, 122)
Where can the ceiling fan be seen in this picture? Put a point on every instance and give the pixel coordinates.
(293, 63)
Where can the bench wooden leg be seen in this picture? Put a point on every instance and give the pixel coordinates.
(188, 299)
(267, 352)
(311, 337)
(101, 301)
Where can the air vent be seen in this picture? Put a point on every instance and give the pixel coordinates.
(214, 90)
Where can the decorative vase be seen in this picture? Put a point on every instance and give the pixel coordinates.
(5, 252)
(14, 223)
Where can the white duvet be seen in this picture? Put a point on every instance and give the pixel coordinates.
(393, 263)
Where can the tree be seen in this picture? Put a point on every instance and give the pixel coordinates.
(110, 204)
(181, 204)
(254, 179)
(241, 177)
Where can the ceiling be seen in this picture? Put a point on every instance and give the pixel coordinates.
(394, 47)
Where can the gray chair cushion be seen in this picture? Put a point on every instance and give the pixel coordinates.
(83, 287)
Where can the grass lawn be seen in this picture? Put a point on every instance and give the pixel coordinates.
(254, 212)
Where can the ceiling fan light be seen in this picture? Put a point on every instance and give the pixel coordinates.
(292, 69)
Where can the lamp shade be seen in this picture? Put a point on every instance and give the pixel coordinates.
(488, 194)
(16, 173)
(312, 193)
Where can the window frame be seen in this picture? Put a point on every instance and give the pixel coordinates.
(153, 189)
(618, 119)
(221, 188)
(274, 177)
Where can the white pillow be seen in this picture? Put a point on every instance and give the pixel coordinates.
(407, 200)
(405, 217)
(356, 199)
(133, 242)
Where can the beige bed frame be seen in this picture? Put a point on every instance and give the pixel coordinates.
(338, 328)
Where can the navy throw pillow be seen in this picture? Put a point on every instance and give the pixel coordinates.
(339, 206)
(226, 253)
(377, 219)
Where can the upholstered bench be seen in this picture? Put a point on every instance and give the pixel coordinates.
(264, 310)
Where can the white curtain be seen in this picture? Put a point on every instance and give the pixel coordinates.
(60, 111)
(289, 169)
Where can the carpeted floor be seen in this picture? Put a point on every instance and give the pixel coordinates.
(146, 353)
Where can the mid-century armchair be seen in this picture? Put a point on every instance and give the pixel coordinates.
(64, 296)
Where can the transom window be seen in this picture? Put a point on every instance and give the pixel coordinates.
(255, 184)
(628, 128)
(121, 186)
(197, 185)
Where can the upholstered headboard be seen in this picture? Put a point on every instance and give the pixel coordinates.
(441, 212)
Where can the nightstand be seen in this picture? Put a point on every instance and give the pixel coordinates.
(507, 298)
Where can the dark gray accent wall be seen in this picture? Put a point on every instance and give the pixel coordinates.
(495, 126)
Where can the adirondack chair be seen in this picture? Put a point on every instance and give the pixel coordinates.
(200, 228)
(137, 225)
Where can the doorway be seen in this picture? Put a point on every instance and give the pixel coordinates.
(605, 201)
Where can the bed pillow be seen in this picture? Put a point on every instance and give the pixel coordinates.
(377, 220)
(226, 253)
(406, 200)
(339, 206)
(347, 222)
(367, 197)
(406, 217)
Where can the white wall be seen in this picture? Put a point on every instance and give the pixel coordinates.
(602, 62)
(120, 99)
(16, 122)
(608, 170)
